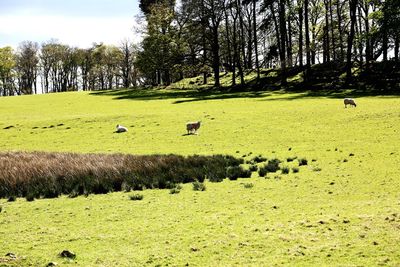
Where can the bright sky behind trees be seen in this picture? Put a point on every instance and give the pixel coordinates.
(73, 22)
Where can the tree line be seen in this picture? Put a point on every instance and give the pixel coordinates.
(207, 36)
(56, 67)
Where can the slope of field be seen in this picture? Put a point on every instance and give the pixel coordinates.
(343, 208)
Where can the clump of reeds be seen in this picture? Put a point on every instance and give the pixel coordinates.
(47, 175)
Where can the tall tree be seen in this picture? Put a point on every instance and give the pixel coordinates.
(350, 39)
(27, 67)
(7, 64)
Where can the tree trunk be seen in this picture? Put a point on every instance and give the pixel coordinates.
(326, 32)
(255, 39)
(396, 48)
(242, 43)
(353, 9)
(368, 55)
(215, 53)
(385, 38)
(228, 41)
(332, 31)
(307, 32)
(204, 40)
(360, 42)
(282, 24)
(289, 44)
(339, 14)
(301, 36)
(278, 39)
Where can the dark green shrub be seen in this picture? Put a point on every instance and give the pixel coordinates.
(30, 197)
(262, 171)
(290, 159)
(259, 158)
(11, 198)
(285, 170)
(235, 172)
(1, 209)
(295, 169)
(248, 185)
(302, 161)
(174, 191)
(273, 165)
(245, 174)
(198, 186)
(73, 194)
(136, 197)
(253, 168)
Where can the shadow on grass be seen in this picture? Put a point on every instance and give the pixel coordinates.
(251, 91)
(181, 95)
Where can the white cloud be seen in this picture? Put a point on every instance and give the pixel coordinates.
(74, 31)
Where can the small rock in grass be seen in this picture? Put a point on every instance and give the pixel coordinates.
(375, 243)
(194, 249)
(60, 124)
(8, 127)
(68, 254)
(52, 264)
(11, 255)
(346, 221)
(351, 155)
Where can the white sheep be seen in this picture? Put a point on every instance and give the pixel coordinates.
(121, 129)
(192, 127)
(349, 101)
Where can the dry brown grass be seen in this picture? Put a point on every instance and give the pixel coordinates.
(42, 174)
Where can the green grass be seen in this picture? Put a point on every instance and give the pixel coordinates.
(346, 214)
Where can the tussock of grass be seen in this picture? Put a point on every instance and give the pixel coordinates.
(136, 197)
(48, 175)
(198, 186)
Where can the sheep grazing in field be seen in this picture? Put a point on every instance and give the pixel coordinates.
(349, 101)
(121, 129)
(192, 127)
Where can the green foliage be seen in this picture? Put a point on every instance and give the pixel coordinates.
(136, 197)
(272, 165)
(253, 168)
(302, 161)
(262, 171)
(235, 172)
(285, 170)
(198, 186)
(248, 185)
(259, 158)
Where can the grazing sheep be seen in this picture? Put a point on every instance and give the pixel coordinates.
(349, 101)
(192, 127)
(121, 129)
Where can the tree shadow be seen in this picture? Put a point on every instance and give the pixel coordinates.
(335, 94)
(182, 95)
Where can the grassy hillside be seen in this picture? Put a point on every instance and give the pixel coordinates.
(343, 208)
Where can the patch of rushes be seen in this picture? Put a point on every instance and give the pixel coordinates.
(48, 175)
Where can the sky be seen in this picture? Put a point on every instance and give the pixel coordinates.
(77, 23)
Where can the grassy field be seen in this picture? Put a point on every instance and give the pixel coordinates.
(342, 209)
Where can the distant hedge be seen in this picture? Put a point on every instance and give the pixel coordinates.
(48, 175)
